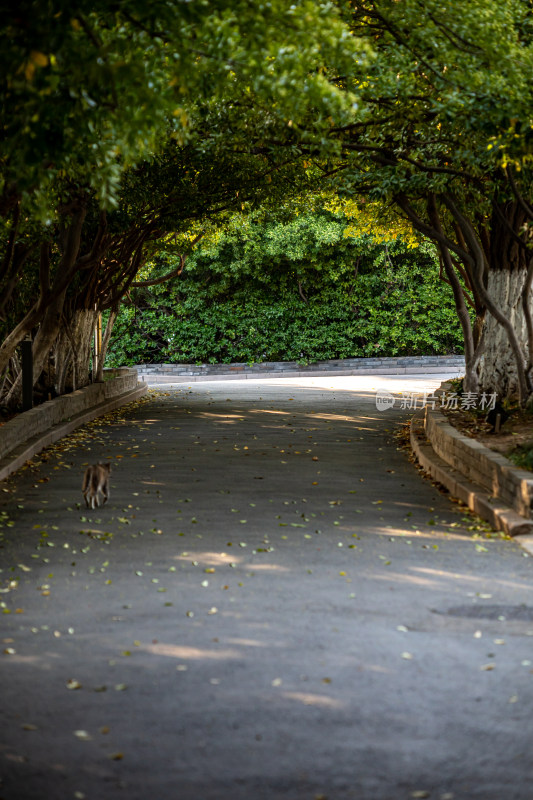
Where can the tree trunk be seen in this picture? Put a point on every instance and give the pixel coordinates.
(498, 368)
(73, 351)
(498, 274)
(46, 309)
(105, 343)
(42, 345)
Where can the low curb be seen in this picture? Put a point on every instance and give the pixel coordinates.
(479, 499)
(57, 418)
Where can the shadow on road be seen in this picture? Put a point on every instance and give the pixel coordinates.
(274, 603)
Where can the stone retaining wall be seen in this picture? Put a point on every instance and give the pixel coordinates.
(346, 366)
(38, 421)
(479, 464)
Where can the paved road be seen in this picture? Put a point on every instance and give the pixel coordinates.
(274, 604)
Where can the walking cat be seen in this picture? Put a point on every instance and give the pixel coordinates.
(96, 484)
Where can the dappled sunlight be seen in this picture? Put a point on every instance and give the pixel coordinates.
(212, 559)
(189, 653)
(225, 559)
(403, 533)
(248, 642)
(22, 758)
(309, 699)
(375, 668)
(438, 578)
(269, 411)
(402, 577)
(220, 417)
(329, 417)
(362, 428)
(408, 505)
(362, 422)
(357, 384)
(480, 579)
(36, 661)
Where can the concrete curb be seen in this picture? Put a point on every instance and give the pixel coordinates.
(28, 433)
(486, 503)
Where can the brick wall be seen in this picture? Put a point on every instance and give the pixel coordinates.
(43, 417)
(479, 464)
(346, 366)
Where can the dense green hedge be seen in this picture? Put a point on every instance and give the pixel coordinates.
(241, 301)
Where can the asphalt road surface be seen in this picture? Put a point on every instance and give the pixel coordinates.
(273, 604)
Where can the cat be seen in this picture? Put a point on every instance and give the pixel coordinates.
(96, 484)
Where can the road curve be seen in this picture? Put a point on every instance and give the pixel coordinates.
(273, 604)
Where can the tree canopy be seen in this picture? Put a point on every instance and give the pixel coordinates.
(128, 128)
(444, 136)
(124, 123)
(88, 90)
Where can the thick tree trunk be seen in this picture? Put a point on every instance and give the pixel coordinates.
(498, 368)
(73, 351)
(498, 273)
(46, 336)
(105, 343)
(51, 298)
(472, 343)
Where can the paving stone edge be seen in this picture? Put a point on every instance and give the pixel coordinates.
(455, 474)
(31, 431)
